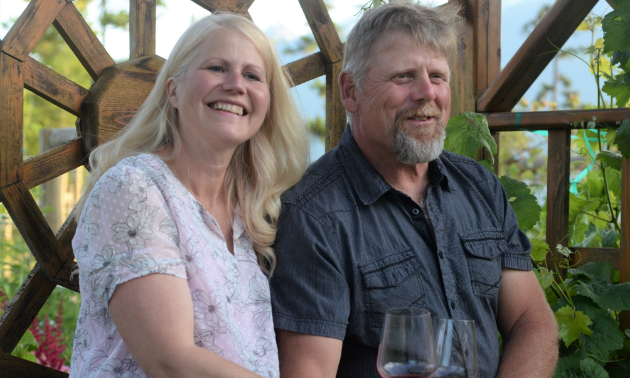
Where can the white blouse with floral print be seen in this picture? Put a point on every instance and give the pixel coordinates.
(139, 220)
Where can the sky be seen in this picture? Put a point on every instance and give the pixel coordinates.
(284, 21)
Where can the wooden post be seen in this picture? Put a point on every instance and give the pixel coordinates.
(486, 21)
(558, 185)
(53, 190)
(141, 28)
(624, 252)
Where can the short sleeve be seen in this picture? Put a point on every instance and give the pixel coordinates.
(519, 248)
(125, 232)
(309, 293)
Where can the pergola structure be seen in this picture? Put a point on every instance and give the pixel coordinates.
(478, 84)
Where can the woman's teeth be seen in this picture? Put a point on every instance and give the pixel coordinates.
(227, 107)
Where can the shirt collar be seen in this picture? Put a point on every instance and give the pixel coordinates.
(367, 182)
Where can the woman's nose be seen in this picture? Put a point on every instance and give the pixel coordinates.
(234, 82)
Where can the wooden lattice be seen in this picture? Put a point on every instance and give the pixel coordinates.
(119, 89)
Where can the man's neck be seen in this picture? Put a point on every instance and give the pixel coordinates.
(409, 179)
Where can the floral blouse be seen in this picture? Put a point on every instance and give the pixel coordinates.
(139, 220)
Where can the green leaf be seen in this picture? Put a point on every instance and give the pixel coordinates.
(594, 184)
(606, 335)
(572, 324)
(610, 136)
(487, 164)
(592, 238)
(468, 132)
(616, 32)
(580, 205)
(622, 139)
(591, 369)
(610, 158)
(619, 90)
(545, 277)
(620, 58)
(614, 181)
(600, 288)
(609, 238)
(525, 205)
(539, 249)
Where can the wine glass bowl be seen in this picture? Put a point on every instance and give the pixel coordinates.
(456, 347)
(407, 346)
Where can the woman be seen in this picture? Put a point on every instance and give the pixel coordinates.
(178, 221)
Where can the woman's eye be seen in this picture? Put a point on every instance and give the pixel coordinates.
(252, 77)
(215, 68)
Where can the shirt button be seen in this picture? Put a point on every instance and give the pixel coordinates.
(453, 305)
(415, 211)
(441, 255)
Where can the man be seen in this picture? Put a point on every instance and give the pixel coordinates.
(387, 219)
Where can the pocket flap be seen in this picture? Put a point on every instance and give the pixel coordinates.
(485, 245)
(389, 275)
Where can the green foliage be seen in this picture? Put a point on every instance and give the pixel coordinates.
(611, 159)
(576, 367)
(468, 132)
(622, 139)
(539, 249)
(596, 282)
(571, 324)
(524, 204)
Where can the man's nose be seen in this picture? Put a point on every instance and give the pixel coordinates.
(234, 82)
(422, 89)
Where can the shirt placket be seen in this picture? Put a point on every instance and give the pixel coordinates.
(435, 209)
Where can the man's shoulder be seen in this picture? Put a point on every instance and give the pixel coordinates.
(322, 184)
(465, 166)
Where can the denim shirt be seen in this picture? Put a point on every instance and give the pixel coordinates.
(349, 246)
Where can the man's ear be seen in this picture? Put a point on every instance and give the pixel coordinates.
(171, 91)
(348, 92)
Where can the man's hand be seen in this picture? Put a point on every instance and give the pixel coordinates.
(528, 327)
(307, 356)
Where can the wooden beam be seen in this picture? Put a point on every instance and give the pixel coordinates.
(53, 163)
(555, 120)
(624, 253)
(30, 27)
(306, 69)
(536, 52)
(234, 6)
(558, 185)
(462, 74)
(82, 41)
(142, 16)
(23, 308)
(66, 276)
(11, 118)
(53, 87)
(587, 255)
(335, 111)
(31, 223)
(323, 29)
(486, 21)
(14, 367)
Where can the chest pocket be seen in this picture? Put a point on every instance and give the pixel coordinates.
(393, 281)
(483, 253)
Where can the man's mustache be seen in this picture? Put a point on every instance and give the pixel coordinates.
(420, 110)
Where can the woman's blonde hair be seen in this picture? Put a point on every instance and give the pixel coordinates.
(261, 168)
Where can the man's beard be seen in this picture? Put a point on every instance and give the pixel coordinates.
(418, 145)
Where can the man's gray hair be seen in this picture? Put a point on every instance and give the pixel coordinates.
(434, 27)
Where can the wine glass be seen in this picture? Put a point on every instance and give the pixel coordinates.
(407, 347)
(456, 348)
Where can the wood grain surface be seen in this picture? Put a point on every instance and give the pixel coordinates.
(82, 41)
(53, 163)
(14, 367)
(335, 111)
(11, 118)
(306, 69)
(31, 223)
(53, 87)
(558, 185)
(323, 29)
(30, 27)
(532, 57)
(554, 120)
(23, 308)
(142, 22)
